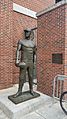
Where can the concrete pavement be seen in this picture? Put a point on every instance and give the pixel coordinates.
(49, 108)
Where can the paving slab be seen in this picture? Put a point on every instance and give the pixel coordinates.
(52, 111)
(65, 117)
(33, 115)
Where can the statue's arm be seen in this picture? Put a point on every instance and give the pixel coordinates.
(35, 49)
(18, 53)
(34, 53)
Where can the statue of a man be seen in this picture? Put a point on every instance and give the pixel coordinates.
(27, 50)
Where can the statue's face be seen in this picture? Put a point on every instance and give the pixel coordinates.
(27, 34)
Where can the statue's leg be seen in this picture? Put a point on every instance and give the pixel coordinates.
(30, 75)
(21, 82)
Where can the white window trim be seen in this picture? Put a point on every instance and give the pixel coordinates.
(23, 10)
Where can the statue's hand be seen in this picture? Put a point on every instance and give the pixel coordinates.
(17, 64)
(22, 65)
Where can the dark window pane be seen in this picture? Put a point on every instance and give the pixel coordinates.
(57, 58)
(57, 1)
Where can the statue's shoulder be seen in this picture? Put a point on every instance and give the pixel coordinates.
(26, 43)
(34, 44)
(21, 42)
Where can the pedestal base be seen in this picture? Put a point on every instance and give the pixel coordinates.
(24, 97)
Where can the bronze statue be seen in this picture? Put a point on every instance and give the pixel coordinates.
(26, 49)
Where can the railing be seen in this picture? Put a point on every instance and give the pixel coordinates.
(59, 85)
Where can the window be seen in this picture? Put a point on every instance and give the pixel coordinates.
(57, 58)
(57, 1)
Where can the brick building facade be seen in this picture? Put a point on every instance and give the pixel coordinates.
(12, 23)
(51, 41)
(52, 44)
(6, 43)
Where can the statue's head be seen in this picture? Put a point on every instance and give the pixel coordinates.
(27, 33)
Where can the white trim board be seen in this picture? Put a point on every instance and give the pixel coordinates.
(56, 5)
(23, 10)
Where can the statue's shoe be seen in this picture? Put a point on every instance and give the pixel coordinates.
(17, 94)
(31, 92)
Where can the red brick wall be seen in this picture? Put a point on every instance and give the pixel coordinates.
(65, 66)
(6, 44)
(51, 39)
(65, 39)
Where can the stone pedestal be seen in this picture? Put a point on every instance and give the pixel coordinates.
(18, 111)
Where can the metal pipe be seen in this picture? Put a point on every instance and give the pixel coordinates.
(34, 28)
